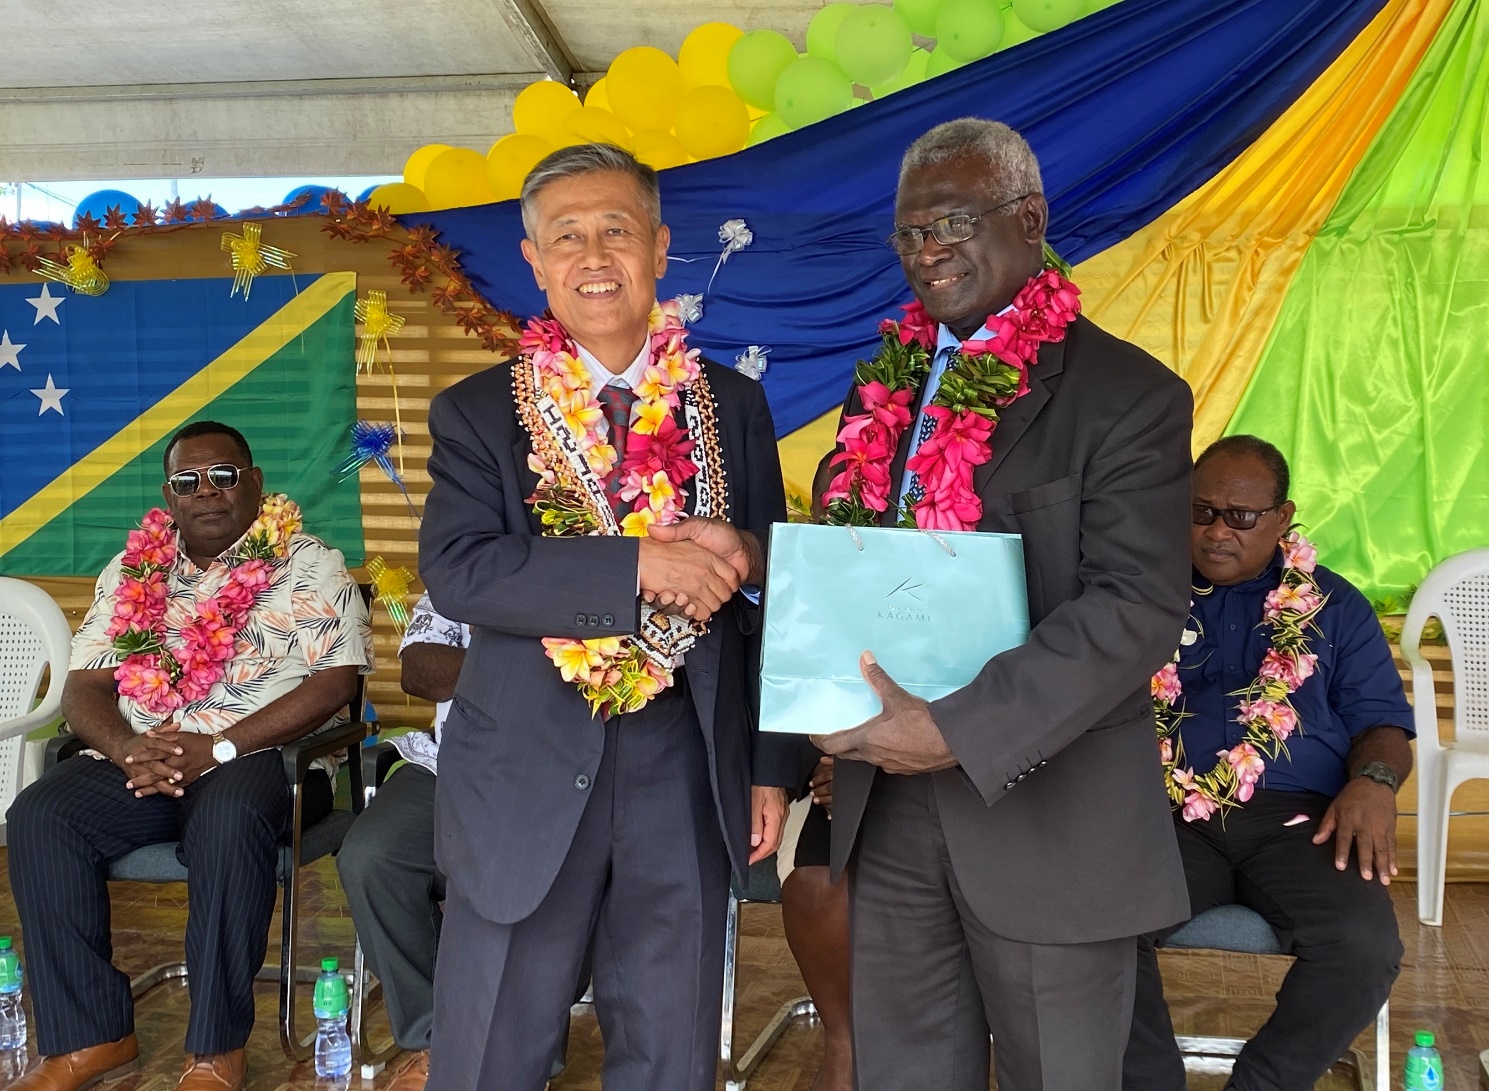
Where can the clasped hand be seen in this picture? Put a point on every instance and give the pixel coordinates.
(163, 762)
(694, 566)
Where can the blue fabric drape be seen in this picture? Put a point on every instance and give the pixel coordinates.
(1129, 110)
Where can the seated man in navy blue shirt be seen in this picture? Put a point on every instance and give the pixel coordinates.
(1287, 739)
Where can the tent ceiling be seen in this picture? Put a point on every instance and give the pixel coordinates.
(99, 89)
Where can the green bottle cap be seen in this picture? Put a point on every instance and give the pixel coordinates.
(330, 999)
(1425, 1038)
(5, 943)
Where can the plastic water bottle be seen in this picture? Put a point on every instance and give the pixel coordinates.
(12, 1015)
(333, 1049)
(1423, 1065)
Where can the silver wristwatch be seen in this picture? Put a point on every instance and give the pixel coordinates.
(223, 750)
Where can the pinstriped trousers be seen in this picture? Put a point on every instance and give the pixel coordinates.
(66, 828)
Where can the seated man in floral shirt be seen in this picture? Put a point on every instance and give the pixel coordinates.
(1284, 736)
(219, 634)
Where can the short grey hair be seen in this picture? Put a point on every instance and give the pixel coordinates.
(589, 159)
(1006, 153)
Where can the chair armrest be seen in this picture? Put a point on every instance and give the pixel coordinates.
(299, 755)
(27, 722)
(64, 746)
(376, 761)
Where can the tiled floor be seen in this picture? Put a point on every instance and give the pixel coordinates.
(1444, 986)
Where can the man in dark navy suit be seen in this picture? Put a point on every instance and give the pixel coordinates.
(554, 821)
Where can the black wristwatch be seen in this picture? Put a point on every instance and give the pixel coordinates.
(1381, 773)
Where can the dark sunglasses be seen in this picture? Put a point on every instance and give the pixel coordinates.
(222, 477)
(1235, 518)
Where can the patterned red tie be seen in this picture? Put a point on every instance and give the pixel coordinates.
(616, 400)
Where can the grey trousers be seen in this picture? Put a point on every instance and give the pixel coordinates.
(387, 868)
(931, 981)
(648, 875)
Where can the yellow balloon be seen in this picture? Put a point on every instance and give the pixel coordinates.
(597, 96)
(591, 125)
(457, 178)
(541, 108)
(704, 56)
(418, 163)
(398, 197)
(643, 86)
(712, 121)
(659, 150)
(509, 160)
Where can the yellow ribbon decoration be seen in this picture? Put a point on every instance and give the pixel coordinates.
(377, 324)
(81, 273)
(392, 588)
(252, 257)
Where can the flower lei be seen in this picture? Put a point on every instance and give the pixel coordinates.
(161, 678)
(657, 450)
(616, 674)
(990, 376)
(1265, 708)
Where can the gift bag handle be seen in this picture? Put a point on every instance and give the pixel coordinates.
(940, 541)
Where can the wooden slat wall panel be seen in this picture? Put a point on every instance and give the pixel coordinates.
(431, 353)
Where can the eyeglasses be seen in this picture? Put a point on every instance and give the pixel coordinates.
(948, 230)
(223, 476)
(1235, 518)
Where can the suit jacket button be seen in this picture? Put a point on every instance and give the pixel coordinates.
(579, 620)
(581, 782)
(1041, 765)
(608, 620)
(1008, 786)
(594, 619)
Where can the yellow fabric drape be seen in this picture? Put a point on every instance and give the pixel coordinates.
(801, 450)
(1201, 287)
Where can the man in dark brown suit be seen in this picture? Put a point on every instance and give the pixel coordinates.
(1009, 841)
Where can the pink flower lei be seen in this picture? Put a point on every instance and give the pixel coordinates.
(162, 677)
(990, 376)
(1265, 707)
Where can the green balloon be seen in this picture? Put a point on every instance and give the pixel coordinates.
(873, 44)
(913, 73)
(939, 63)
(969, 30)
(822, 31)
(920, 14)
(766, 128)
(1014, 32)
(756, 62)
(811, 90)
(1045, 15)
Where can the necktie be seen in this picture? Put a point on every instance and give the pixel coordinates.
(926, 427)
(616, 400)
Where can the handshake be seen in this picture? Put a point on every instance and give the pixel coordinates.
(694, 566)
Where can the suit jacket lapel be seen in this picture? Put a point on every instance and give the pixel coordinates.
(1015, 420)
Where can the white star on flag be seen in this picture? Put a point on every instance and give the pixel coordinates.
(51, 397)
(46, 305)
(10, 352)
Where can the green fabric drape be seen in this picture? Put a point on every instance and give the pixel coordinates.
(1375, 382)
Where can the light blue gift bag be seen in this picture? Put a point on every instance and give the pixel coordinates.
(933, 608)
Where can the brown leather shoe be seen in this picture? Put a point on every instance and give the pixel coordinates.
(411, 1074)
(217, 1072)
(84, 1068)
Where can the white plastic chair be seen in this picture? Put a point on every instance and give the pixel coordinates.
(33, 636)
(1456, 592)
